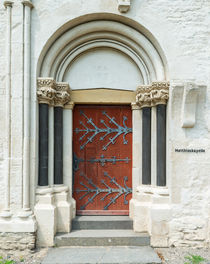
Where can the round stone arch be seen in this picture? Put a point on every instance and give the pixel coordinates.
(105, 32)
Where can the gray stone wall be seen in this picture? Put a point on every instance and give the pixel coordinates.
(17, 241)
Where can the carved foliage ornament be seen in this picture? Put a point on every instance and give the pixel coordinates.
(45, 90)
(152, 95)
(62, 94)
(52, 93)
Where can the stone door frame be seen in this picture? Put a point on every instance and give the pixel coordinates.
(55, 200)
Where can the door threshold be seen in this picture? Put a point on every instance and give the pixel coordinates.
(102, 212)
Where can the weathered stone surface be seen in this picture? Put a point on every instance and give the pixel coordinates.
(182, 30)
(17, 241)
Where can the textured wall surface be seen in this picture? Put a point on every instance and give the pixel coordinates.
(2, 100)
(17, 241)
(182, 29)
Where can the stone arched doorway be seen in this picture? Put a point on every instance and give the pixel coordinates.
(97, 61)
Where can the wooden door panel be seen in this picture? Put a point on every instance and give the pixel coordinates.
(102, 145)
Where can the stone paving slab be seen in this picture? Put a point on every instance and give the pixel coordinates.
(99, 255)
(92, 238)
(102, 222)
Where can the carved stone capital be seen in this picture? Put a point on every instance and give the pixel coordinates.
(160, 92)
(27, 3)
(143, 96)
(152, 95)
(8, 3)
(62, 95)
(46, 90)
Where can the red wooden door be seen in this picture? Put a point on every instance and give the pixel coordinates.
(102, 163)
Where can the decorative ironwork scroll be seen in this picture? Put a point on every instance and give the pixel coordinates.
(95, 190)
(102, 161)
(95, 130)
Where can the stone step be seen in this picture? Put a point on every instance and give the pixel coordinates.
(102, 238)
(102, 222)
(105, 255)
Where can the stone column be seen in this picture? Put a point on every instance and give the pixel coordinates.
(45, 94)
(6, 212)
(63, 207)
(136, 155)
(155, 95)
(68, 154)
(144, 102)
(45, 210)
(27, 87)
(62, 97)
(160, 95)
(152, 209)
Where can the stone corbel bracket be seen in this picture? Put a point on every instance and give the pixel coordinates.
(189, 104)
(124, 5)
(152, 95)
(52, 93)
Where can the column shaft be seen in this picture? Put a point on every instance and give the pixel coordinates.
(43, 144)
(137, 147)
(58, 145)
(67, 147)
(146, 145)
(27, 77)
(8, 6)
(161, 145)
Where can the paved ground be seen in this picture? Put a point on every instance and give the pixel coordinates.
(97, 255)
(168, 255)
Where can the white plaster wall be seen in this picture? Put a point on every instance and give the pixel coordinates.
(182, 29)
(188, 174)
(103, 68)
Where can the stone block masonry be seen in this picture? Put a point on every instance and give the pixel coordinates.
(17, 241)
(177, 214)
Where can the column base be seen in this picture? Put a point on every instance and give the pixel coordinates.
(64, 209)
(5, 214)
(45, 212)
(54, 212)
(151, 213)
(25, 213)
